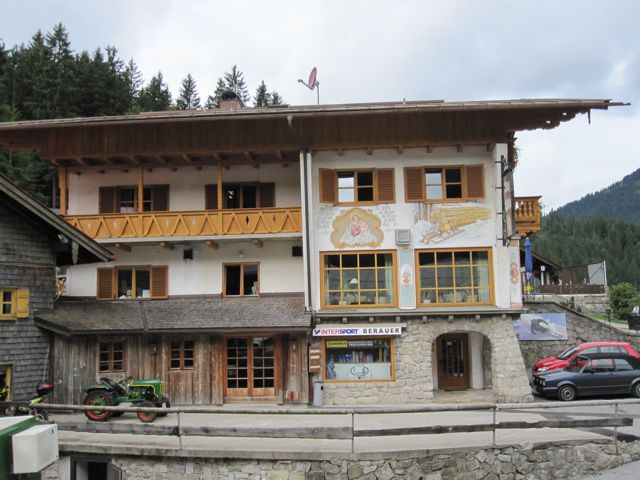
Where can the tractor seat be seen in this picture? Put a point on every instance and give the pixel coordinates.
(113, 385)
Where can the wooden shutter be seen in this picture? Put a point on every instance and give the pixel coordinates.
(386, 185)
(22, 304)
(159, 282)
(328, 186)
(105, 290)
(211, 197)
(414, 184)
(267, 195)
(474, 181)
(107, 199)
(160, 198)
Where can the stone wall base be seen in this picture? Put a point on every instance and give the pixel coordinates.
(533, 463)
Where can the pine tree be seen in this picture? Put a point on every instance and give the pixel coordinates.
(275, 98)
(134, 81)
(261, 98)
(213, 101)
(60, 75)
(235, 83)
(188, 98)
(155, 97)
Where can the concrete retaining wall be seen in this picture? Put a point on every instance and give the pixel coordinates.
(557, 462)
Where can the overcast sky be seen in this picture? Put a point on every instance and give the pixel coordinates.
(382, 51)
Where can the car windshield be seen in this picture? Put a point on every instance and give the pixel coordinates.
(568, 352)
(576, 364)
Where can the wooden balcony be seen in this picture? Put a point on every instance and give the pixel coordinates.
(528, 215)
(189, 224)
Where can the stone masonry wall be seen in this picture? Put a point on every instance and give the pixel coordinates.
(414, 351)
(579, 329)
(557, 462)
(26, 262)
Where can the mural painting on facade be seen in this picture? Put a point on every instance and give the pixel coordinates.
(438, 223)
(356, 228)
(515, 291)
(407, 280)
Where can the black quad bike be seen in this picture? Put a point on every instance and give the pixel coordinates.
(140, 393)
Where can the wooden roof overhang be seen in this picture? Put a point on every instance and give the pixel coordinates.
(255, 136)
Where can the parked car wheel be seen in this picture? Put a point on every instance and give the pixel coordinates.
(147, 417)
(635, 390)
(164, 403)
(98, 397)
(566, 393)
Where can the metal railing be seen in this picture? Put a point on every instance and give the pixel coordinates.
(349, 431)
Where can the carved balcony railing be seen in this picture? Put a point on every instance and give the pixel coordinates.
(528, 215)
(189, 224)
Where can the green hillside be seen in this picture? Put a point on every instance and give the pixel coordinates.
(619, 200)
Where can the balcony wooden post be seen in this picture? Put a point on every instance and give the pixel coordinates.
(140, 189)
(219, 184)
(62, 183)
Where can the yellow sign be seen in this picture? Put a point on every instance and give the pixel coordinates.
(337, 343)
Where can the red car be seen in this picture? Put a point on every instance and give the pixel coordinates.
(560, 360)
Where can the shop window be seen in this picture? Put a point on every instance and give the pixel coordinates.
(138, 282)
(241, 279)
(7, 304)
(358, 359)
(358, 279)
(441, 184)
(111, 357)
(357, 187)
(182, 355)
(454, 277)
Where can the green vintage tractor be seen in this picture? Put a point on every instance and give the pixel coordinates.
(140, 393)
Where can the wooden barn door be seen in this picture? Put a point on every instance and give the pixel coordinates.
(252, 367)
(188, 371)
(453, 362)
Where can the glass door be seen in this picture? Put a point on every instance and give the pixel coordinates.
(453, 362)
(251, 367)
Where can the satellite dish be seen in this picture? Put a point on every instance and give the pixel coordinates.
(312, 77)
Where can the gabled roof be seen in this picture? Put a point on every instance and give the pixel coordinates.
(60, 231)
(83, 317)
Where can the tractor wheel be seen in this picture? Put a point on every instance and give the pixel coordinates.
(98, 397)
(164, 403)
(147, 417)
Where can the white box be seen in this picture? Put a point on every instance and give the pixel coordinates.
(35, 449)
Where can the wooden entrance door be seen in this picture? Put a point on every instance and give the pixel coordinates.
(252, 367)
(453, 361)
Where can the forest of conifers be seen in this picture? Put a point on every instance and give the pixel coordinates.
(47, 79)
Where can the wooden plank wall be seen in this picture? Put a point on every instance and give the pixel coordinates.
(75, 367)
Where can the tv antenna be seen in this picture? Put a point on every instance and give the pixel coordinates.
(313, 83)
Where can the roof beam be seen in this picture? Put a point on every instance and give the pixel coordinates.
(167, 245)
(212, 244)
(123, 246)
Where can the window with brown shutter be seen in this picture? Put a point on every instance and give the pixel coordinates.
(444, 184)
(211, 197)
(105, 290)
(159, 198)
(386, 185)
(107, 200)
(159, 282)
(414, 189)
(328, 186)
(475, 181)
(267, 195)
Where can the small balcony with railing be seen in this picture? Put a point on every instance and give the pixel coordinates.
(528, 215)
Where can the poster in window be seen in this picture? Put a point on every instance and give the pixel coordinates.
(541, 326)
